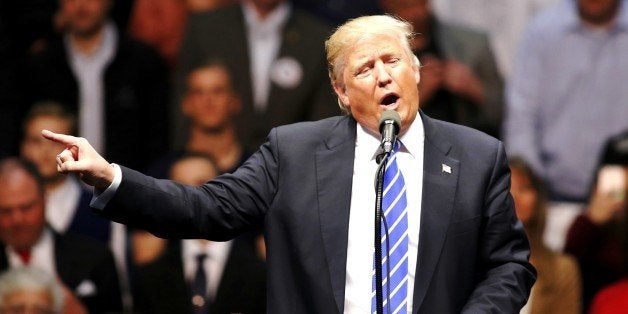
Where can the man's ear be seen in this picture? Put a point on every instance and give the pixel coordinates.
(417, 70)
(341, 91)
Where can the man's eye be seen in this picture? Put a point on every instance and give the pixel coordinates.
(363, 71)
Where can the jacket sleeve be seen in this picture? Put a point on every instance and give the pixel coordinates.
(218, 210)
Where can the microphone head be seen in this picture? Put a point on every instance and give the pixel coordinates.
(390, 117)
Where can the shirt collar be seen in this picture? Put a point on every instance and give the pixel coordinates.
(44, 242)
(412, 140)
(215, 250)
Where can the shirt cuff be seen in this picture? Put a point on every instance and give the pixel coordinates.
(100, 199)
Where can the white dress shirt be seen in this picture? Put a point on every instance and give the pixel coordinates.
(214, 264)
(358, 284)
(61, 204)
(42, 254)
(264, 40)
(89, 71)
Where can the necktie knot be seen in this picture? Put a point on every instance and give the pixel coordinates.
(200, 258)
(25, 256)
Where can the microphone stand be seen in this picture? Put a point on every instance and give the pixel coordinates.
(379, 190)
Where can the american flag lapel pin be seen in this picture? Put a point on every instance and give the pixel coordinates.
(446, 168)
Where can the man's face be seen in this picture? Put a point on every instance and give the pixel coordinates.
(267, 4)
(27, 301)
(84, 17)
(413, 11)
(379, 75)
(210, 102)
(598, 12)
(193, 171)
(40, 151)
(21, 210)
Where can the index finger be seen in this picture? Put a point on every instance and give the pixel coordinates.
(59, 138)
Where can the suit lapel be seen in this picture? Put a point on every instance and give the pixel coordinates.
(334, 168)
(440, 178)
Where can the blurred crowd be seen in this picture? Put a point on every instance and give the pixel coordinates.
(188, 89)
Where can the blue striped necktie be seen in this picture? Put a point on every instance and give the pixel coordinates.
(394, 240)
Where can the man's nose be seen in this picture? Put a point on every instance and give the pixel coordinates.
(383, 77)
(16, 216)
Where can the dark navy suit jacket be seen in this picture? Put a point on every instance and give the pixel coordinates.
(472, 254)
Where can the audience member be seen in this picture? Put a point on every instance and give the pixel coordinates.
(167, 271)
(275, 56)
(82, 264)
(612, 299)
(561, 108)
(210, 105)
(160, 23)
(596, 236)
(503, 20)
(558, 287)
(567, 92)
(32, 290)
(29, 290)
(67, 201)
(117, 86)
(460, 81)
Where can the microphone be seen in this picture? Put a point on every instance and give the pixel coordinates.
(389, 126)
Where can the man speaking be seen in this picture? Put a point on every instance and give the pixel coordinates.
(451, 242)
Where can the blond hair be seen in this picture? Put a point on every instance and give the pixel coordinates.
(348, 34)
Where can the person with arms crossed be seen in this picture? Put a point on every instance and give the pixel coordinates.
(311, 186)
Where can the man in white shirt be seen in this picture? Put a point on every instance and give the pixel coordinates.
(166, 270)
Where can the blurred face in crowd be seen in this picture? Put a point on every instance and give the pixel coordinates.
(210, 101)
(27, 302)
(84, 17)
(379, 75)
(21, 209)
(598, 12)
(266, 5)
(524, 193)
(40, 151)
(193, 171)
(413, 11)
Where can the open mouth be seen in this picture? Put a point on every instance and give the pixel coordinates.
(389, 100)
